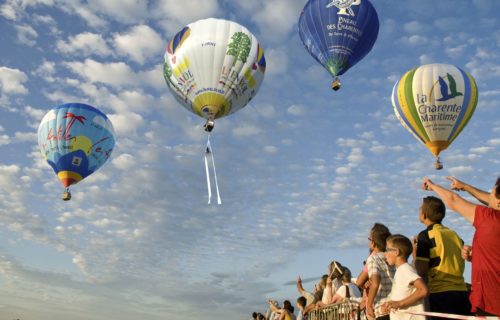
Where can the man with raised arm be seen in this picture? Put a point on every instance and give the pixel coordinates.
(485, 294)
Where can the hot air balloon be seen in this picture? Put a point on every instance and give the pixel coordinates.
(76, 139)
(435, 102)
(338, 33)
(214, 67)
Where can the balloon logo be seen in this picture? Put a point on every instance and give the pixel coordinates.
(214, 68)
(338, 33)
(75, 139)
(435, 102)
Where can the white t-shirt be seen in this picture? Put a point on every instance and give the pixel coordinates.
(330, 291)
(401, 288)
(353, 291)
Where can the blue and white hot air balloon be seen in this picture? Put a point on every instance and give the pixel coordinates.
(338, 33)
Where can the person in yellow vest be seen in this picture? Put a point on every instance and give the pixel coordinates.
(439, 261)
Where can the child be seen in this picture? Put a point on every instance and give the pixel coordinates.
(408, 288)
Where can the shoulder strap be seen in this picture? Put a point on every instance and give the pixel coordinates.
(347, 293)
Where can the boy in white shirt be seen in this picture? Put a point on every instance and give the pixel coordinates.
(408, 288)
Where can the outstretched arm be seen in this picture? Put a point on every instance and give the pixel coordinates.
(479, 194)
(452, 200)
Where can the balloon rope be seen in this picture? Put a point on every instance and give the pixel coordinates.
(215, 173)
(207, 151)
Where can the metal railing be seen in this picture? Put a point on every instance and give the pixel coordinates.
(347, 310)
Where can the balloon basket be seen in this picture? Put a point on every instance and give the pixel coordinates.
(336, 84)
(66, 195)
(438, 165)
(209, 125)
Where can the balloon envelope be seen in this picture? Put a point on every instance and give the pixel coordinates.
(214, 67)
(76, 139)
(338, 33)
(435, 102)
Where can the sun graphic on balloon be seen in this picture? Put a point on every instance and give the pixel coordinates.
(81, 143)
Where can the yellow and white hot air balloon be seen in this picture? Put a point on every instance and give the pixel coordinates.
(214, 67)
(435, 102)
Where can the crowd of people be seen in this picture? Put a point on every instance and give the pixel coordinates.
(390, 288)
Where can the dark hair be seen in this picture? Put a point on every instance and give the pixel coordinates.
(433, 209)
(288, 306)
(254, 315)
(379, 234)
(301, 301)
(402, 243)
(497, 188)
(346, 276)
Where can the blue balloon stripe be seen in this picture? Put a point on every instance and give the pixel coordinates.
(465, 105)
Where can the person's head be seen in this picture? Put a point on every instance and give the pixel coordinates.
(260, 316)
(377, 237)
(335, 269)
(399, 248)
(494, 201)
(254, 315)
(301, 302)
(346, 276)
(288, 306)
(432, 210)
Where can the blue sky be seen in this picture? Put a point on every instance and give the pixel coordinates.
(303, 171)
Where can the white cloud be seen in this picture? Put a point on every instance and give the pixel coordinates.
(127, 122)
(416, 40)
(426, 59)
(124, 161)
(4, 139)
(356, 156)
(343, 170)
(276, 61)
(270, 149)
(480, 150)
(46, 71)
(297, 110)
(139, 43)
(121, 10)
(246, 130)
(460, 170)
(414, 27)
(114, 73)
(174, 14)
(85, 12)
(84, 44)
(12, 81)
(276, 18)
(494, 142)
(26, 35)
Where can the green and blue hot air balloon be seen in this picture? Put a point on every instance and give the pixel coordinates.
(338, 33)
(434, 102)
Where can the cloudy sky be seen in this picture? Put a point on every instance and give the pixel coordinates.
(303, 171)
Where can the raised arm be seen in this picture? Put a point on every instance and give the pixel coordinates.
(452, 200)
(300, 288)
(479, 194)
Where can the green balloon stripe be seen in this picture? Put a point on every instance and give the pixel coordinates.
(408, 87)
